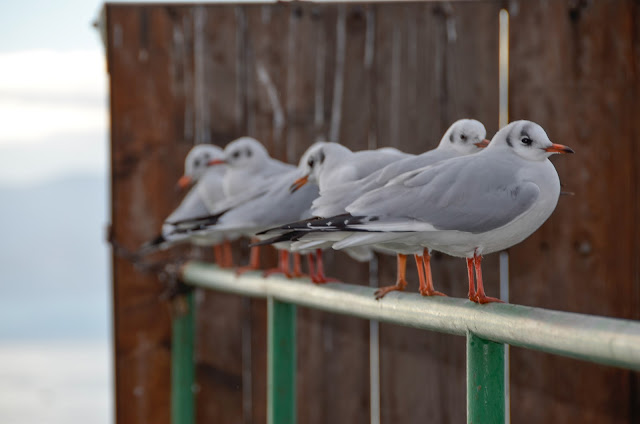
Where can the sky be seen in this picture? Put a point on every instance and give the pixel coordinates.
(53, 91)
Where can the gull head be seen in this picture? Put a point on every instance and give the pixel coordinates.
(466, 136)
(244, 152)
(528, 140)
(197, 163)
(318, 160)
(312, 159)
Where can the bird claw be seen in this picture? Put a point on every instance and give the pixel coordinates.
(482, 299)
(425, 292)
(244, 269)
(323, 280)
(382, 291)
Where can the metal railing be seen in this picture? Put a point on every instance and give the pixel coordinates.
(487, 328)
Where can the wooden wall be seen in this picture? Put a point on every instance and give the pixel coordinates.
(384, 74)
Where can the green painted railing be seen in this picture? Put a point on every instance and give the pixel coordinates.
(487, 328)
(182, 361)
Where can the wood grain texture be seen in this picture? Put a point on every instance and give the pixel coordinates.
(144, 149)
(574, 70)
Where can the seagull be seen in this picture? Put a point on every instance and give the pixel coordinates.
(331, 164)
(201, 199)
(260, 206)
(468, 206)
(463, 137)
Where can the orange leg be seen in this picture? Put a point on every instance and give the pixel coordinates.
(472, 286)
(228, 255)
(428, 287)
(254, 260)
(420, 267)
(480, 296)
(401, 282)
(283, 265)
(297, 266)
(310, 262)
(319, 277)
(217, 254)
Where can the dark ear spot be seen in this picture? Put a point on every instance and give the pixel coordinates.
(249, 152)
(196, 163)
(451, 137)
(509, 142)
(321, 156)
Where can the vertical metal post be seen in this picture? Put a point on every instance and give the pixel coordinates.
(182, 361)
(485, 381)
(281, 362)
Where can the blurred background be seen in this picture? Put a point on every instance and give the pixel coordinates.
(55, 355)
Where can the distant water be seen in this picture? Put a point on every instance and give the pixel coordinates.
(55, 382)
(55, 358)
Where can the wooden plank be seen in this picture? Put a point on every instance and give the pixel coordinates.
(219, 118)
(434, 63)
(265, 30)
(143, 164)
(574, 70)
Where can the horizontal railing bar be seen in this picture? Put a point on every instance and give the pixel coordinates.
(602, 340)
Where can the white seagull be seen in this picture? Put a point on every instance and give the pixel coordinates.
(201, 200)
(466, 206)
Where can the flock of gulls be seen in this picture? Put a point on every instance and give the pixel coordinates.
(468, 197)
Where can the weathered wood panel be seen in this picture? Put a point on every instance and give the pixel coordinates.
(218, 116)
(146, 143)
(574, 70)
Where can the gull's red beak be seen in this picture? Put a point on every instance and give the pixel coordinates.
(217, 162)
(298, 184)
(184, 182)
(482, 144)
(559, 148)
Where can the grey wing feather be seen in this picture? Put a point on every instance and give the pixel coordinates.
(411, 163)
(354, 180)
(273, 207)
(452, 196)
(192, 206)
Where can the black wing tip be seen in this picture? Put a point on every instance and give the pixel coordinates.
(151, 246)
(288, 236)
(200, 221)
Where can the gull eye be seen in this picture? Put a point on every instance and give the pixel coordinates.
(463, 137)
(310, 162)
(526, 141)
(235, 154)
